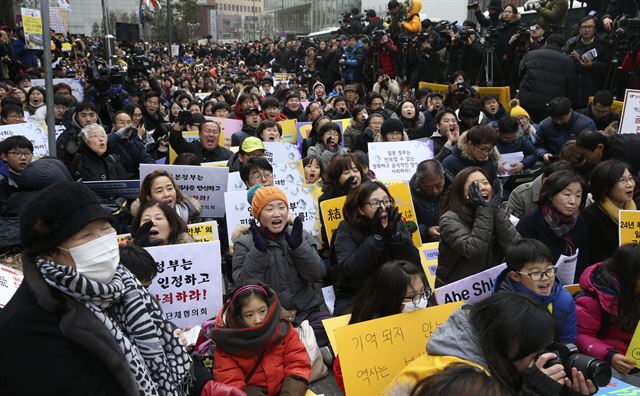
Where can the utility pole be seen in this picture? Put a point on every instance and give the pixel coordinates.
(48, 75)
(170, 22)
(107, 32)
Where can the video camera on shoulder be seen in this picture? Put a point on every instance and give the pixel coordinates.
(531, 4)
(598, 371)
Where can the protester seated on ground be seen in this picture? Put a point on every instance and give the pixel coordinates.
(278, 251)
(563, 124)
(511, 140)
(595, 147)
(607, 308)
(363, 159)
(556, 221)
(250, 147)
(474, 230)
(427, 187)
(11, 114)
(251, 119)
(271, 110)
(257, 351)
(491, 108)
(475, 148)
(354, 133)
(505, 336)
(269, 131)
(35, 100)
(392, 130)
(221, 110)
(156, 223)
(446, 135)
(85, 345)
(524, 198)
(292, 109)
(459, 379)
(93, 161)
(470, 114)
(406, 290)
(530, 271)
(313, 169)
(207, 146)
(312, 138)
(35, 177)
(413, 121)
(599, 110)
(611, 186)
(160, 186)
(372, 131)
(329, 143)
(16, 153)
(257, 170)
(371, 233)
(339, 109)
(527, 126)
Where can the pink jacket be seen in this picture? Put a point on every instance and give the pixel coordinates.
(598, 282)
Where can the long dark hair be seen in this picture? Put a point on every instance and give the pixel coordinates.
(393, 277)
(605, 176)
(339, 163)
(455, 197)
(358, 197)
(459, 379)
(507, 322)
(623, 264)
(176, 225)
(557, 182)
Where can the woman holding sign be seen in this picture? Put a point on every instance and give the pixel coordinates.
(474, 230)
(371, 234)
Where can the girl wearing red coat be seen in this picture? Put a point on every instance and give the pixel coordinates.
(255, 350)
(607, 311)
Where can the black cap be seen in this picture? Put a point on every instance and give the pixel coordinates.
(251, 110)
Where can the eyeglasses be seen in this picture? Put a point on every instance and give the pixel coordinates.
(485, 150)
(587, 27)
(422, 294)
(538, 275)
(15, 117)
(628, 180)
(264, 175)
(20, 154)
(377, 204)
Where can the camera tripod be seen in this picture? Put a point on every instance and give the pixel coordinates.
(489, 68)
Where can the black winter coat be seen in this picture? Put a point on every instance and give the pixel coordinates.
(589, 80)
(546, 74)
(602, 231)
(131, 153)
(180, 145)
(88, 166)
(624, 147)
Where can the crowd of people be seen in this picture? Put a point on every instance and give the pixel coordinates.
(85, 322)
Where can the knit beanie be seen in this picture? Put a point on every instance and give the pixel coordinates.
(263, 196)
(390, 125)
(56, 213)
(518, 111)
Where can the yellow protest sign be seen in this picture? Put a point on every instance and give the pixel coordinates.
(616, 106)
(32, 27)
(573, 289)
(373, 352)
(503, 93)
(440, 88)
(330, 327)
(633, 352)
(204, 232)
(429, 260)
(332, 212)
(218, 164)
(629, 226)
(289, 131)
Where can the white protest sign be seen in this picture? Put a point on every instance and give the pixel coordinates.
(279, 152)
(77, 90)
(59, 130)
(509, 160)
(235, 183)
(203, 95)
(35, 132)
(175, 50)
(630, 118)
(398, 160)
(10, 280)
(470, 289)
(288, 173)
(329, 296)
(207, 184)
(566, 268)
(300, 198)
(188, 285)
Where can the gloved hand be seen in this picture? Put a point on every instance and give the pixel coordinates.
(259, 236)
(124, 133)
(496, 198)
(377, 230)
(475, 196)
(393, 222)
(294, 240)
(141, 237)
(345, 187)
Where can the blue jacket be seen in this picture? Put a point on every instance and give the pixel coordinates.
(354, 60)
(550, 136)
(520, 144)
(560, 302)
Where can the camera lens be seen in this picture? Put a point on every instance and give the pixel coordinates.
(597, 371)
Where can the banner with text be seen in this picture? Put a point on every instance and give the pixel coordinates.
(470, 289)
(629, 226)
(35, 132)
(630, 118)
(398, 160)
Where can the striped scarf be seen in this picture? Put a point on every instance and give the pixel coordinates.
(158, 363)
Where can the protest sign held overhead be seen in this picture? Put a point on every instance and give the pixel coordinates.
(398, 160)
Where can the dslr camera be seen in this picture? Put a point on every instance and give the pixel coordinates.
(598, 371)
(184, 117)
(531, 4)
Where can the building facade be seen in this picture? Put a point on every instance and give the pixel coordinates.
(306, 16)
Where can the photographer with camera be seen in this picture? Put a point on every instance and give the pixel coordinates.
(465, 55)
(505, 336)
(374, 23)
(617, 8)
(553, 13)
(526, 38)
(386, 87)
(352, 60)
(607, 308)
(125, 143)
(591, 56)
(425, 62)
(381, 54)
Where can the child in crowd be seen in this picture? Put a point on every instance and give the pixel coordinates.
(530, 271)
(256, 351)
(313, 169)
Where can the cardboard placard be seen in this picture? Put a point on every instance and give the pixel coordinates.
(35, 132)
(32, 24)
(373, 352)
(207, 184)
(10, 280)
(429, 260)
(289, 131)
(281, 152)
(629, 226)
(471, 289)
(188, 285)
(630, 117)
(398, 160)
(207, 231)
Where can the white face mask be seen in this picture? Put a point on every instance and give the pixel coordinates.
(410, 306)
(97, 259)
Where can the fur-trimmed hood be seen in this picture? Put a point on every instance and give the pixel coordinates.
(464, 148)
